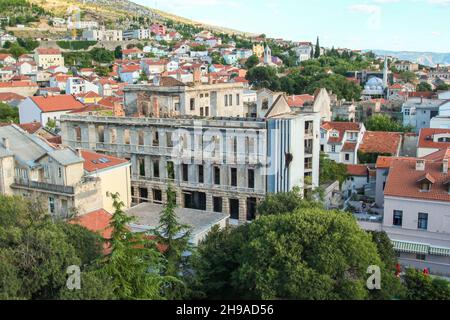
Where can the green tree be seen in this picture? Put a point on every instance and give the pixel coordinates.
(264, 77)
(35, 251)
(102, 55)
(174, 237)
(133, 265)
(408, 76)
(118, 52)
(382, 122)
(330, 170)
(424, 87)
(286, 202)
(8, 113)
(251, 62)
(16, 50)
(317, 49)
(28, 44)
(442, 87)
(420, 286)
(308, 254)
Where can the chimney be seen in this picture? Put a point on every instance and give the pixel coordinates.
(420, 165)
(445, 166)
(6, 143)
(79, 152)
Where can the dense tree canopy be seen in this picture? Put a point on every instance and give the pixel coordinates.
(331, 171)
(36, 251)
(307, 254)
(382, 122)
(8, 113)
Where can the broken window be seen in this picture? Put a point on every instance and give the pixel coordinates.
(126, 136)
(101, 134)
(141, 137)
(78, 134)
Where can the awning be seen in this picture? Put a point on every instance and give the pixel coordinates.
(440, 251)
(410, 247)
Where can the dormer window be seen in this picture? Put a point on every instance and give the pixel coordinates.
(335, 134)
(426, 183)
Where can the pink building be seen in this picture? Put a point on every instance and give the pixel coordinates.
(158, 29)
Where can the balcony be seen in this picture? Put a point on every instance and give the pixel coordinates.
(42, 186)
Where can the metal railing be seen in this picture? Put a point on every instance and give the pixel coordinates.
(44, 186)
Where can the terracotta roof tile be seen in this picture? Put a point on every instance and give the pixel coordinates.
(426, 139)
(381, 142)
(95, 161)
(357, 170)
(57, 103)
(403, 180)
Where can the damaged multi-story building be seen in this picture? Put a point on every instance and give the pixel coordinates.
(217, 161)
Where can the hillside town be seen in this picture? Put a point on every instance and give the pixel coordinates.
(161, 113)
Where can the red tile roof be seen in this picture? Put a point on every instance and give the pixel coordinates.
(92, 161)
(349, 146)
(403, 180)
(109, 101)
(9, 96)
(426, 139)
(57, 103)
(299, 100)
(3, 56)
(90, 94)
(342, 127)
(132, 50)
(45, 51)
(96, 221)
(357, 170)
(381, 142)
(31, 127)
(15, 84)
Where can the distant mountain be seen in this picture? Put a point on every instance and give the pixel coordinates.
(430, 59)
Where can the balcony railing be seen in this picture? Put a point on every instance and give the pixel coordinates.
(19, 182)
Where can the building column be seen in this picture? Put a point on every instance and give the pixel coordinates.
(242, 210)
(209, 202)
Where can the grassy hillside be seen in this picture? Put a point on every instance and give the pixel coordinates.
(108, 11)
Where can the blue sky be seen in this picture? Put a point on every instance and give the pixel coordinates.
(415, 25)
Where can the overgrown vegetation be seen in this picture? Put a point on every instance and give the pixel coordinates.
(76, 45)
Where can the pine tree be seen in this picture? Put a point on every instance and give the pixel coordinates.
(317, 50)
(174, 237)
(133, 264)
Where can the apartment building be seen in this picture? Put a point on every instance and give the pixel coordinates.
(416, 211)
(432, 140)
(139, 34)
(341, 140)
(418, 112)
(167, 96)
(221, 164)
(68, 181)
(102, 35)
(46, 58)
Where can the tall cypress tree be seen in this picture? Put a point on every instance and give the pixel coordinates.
(317, 50)
(174, 237)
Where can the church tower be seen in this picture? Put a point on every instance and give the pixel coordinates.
(267, 55)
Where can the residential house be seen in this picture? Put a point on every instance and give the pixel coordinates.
(356, 180)
(11, 98)
(42, 109)
(48, 57)
(130, 73)
(133, 53)
(7, 59)
(432, 140)
(340, 141)
(23, 88)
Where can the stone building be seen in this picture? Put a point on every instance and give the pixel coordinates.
(168, 97)
(219, 164)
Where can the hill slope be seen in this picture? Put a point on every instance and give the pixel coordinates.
(111, 10)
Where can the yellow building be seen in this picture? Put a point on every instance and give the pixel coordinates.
(46, 58)
(258, 50)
